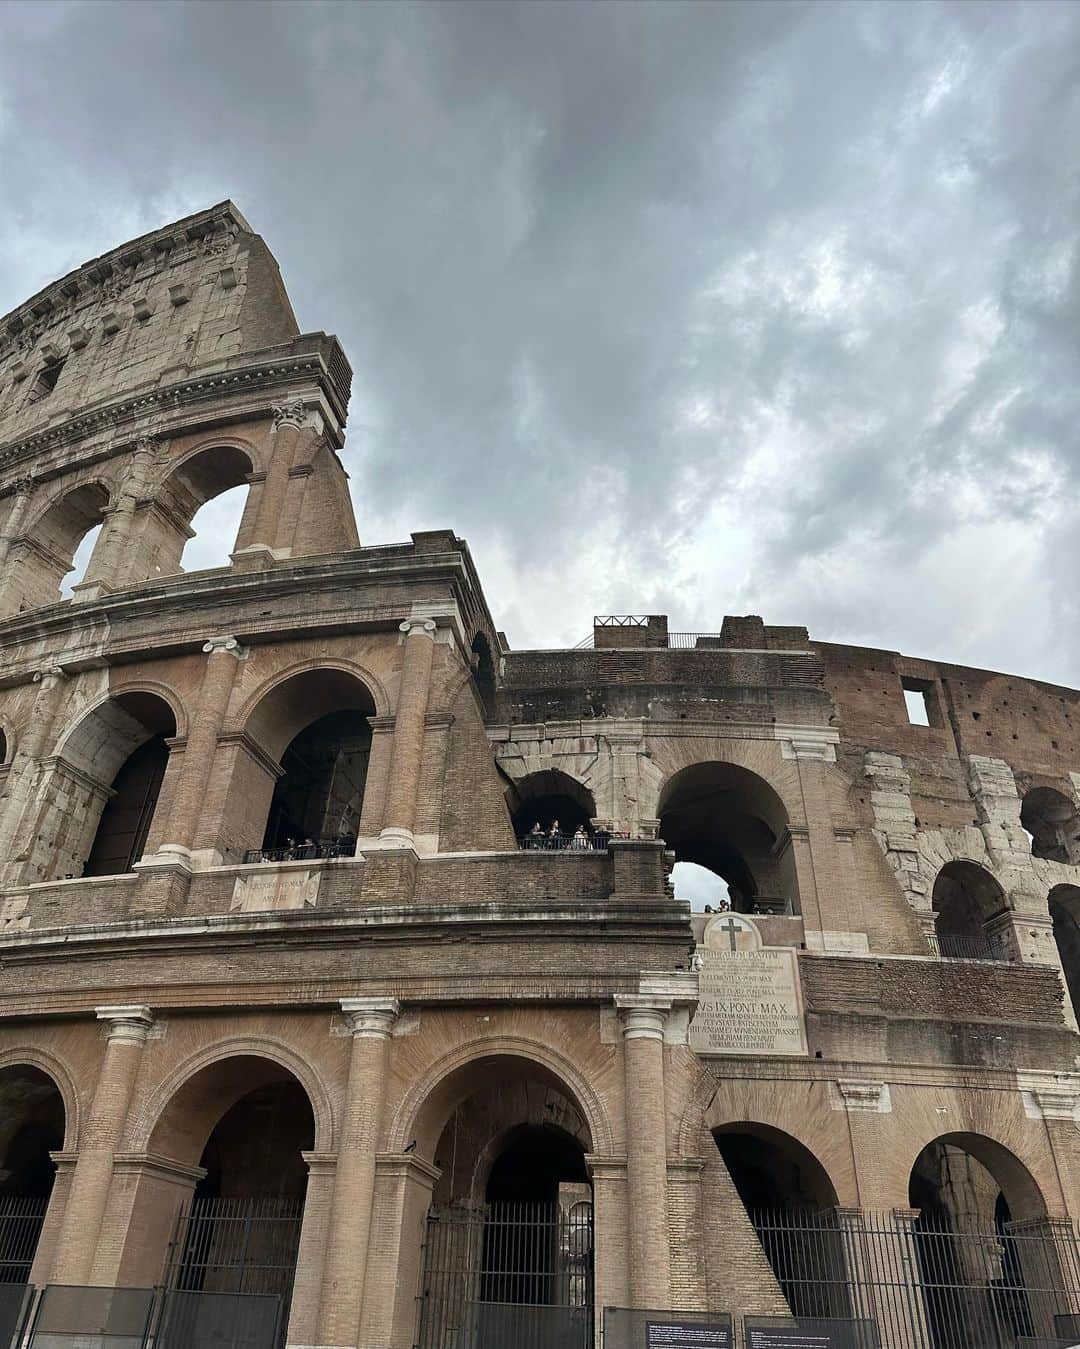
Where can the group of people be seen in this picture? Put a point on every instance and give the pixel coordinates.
(297, 850)
(553, 837)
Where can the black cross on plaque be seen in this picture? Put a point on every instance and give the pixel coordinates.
(732, 929)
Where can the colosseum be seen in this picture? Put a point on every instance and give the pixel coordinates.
(350, 999)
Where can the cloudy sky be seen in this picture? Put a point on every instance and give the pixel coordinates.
(696, 309)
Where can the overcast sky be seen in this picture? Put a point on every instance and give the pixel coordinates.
(696, 309)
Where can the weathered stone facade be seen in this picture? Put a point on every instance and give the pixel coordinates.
(410, 990)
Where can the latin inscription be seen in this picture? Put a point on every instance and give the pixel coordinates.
(749, 1002)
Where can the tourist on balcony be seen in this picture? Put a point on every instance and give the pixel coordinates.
(535, 836)
(554, 835)
(580, 839)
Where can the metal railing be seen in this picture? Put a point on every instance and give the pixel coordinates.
(481, 1262)
(303, 852)
(559, 842)
(237, 1246)
(21, 1220)
(957, 946)
(925, 1284)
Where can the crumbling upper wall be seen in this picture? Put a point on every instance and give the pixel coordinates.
(150, 312)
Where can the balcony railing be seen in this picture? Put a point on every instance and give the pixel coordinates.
(955, 946)
(559, 842)
(303, 852)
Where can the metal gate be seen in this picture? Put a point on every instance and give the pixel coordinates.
(21, 1220)
(237, 1246)
(507, 1274)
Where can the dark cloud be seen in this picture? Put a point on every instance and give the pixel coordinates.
(711, 308)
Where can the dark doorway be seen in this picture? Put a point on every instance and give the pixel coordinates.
(128, 814)
(31, 1127)
(791, 1202)
(320, 794)
(241, 1232)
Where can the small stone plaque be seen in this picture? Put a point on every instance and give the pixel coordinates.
(750, 997)
(286, 889)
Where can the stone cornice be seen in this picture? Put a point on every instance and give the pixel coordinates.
(305, 359)
(199, 594)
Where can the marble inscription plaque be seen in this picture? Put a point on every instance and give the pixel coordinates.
(270, 890)
(749, 999)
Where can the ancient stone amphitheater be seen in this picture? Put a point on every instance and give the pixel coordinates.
(346, 996)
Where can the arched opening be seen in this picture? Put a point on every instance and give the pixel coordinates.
(1052, 821)
(314, 806)
(727, 820)
(245, 1123)
(32, 1124)
(1065, 913)
(209, 492)
(551, 810)
(966, 901)
(508, 1248)
(483, 668)
(114, 762)
(56, 549)
(791, 1203)
(969, 1191)
(3, 747)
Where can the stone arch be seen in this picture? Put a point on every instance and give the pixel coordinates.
(60, 1075)
(112, 761)
(731, 821)
(1064, 905)
(1052, 820)
(145, 1127)
(416, 1116)
(257, 709)
(45, 553)
(762, 1142)
(967, 900)
(158, 689)
(201, 475)
(549, 795)
(313, 724)
(1016, 1182)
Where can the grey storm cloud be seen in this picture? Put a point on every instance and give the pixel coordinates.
(708, 309)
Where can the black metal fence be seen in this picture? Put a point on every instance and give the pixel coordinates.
(21, 1220)
(518, 1270)
(545, 841)
(923, 1283)
(303, 852)
(956, 946)
(237, 1246)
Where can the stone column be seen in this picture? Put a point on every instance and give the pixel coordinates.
(419, 652)
(128, 1028)
(24, 488)
(207, 718)
(828, 892)
(111, 564)
(35, 745)
(370, 1022)
(643, 1019)
(290, 420)
(611, 1227)
(311, 1251)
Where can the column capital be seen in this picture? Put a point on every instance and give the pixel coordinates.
(417, 627)
(289, 412)
(227, 644)
(51, 671)
(127, 1024)
(643, 1018)
(370, 1018)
